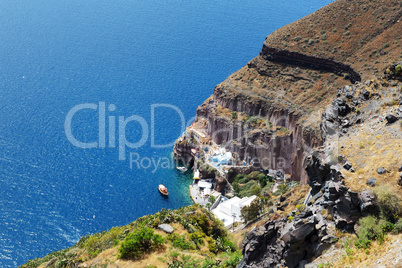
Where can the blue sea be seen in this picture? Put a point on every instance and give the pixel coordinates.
(136, 70)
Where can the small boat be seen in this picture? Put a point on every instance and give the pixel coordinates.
(163, 190)
(182, 169)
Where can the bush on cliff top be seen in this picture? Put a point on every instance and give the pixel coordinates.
(139, 242)
(389, 203)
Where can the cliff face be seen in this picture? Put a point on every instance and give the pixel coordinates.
(276, 142)
(270, 110)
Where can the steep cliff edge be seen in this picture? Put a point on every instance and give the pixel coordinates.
(270, 109)
(349, 176)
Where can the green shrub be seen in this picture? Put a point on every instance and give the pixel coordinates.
(398, 226)
(156, 222)
(250, 212)
(250, 186)
(210, 263)
(174, 255)
(283, 188)
(180, 241)
(202, 221)
(370, 228)
(212, 245)
(389, 203)
(101, 241)
(398, 69)
(224, 245)
(297, 38)
(234, 260)
(197, 238)
(255, 190)
(387, 226)
(236, 188)
(363, 243)
(139, 242)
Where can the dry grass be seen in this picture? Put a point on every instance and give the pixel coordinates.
(159, 258)
(345, 254)
(369, 147)
(353, 29)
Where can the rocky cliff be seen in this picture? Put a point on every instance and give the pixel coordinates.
(363, 114)
(270, 110)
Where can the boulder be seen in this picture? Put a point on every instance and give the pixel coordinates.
(366, 94)
(400, 168)
(381, 170)
(391, 119)
(166, 228)
(368, 202)
(279, 174)
(399, 181)
(340, 107)
(330, 239)
(347, 166)
(371, 182)
(317, 172)
(297, 231)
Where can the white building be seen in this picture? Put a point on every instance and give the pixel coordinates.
(230, 209)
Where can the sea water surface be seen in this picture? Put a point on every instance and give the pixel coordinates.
(55, 55)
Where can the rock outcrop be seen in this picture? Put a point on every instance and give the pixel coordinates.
(294, 240)
(311, 62)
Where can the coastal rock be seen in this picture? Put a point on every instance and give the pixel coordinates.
(166, 228)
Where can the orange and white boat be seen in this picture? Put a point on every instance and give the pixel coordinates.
(163, 190)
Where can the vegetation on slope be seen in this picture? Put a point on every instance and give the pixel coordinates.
(198, 240)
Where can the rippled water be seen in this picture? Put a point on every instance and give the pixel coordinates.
(58, 54)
